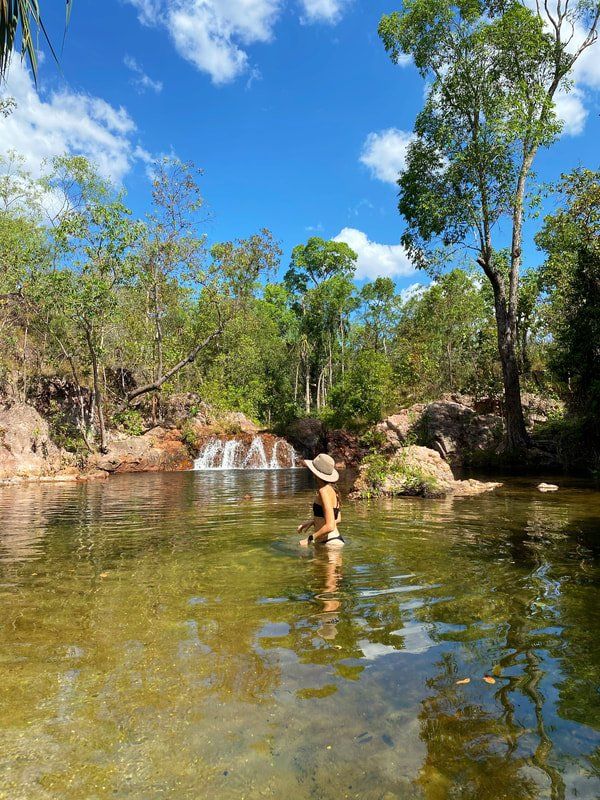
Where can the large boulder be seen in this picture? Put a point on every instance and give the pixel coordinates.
(454, 429)
(158, 450)
(413, 471)
(236, 422)
(308, 436)
(459, 433)
(26, 449)
(539, 409)
(400, 427)
(180, 407)
(345, 448)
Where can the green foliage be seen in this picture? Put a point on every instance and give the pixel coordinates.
(383, 475)
(124, 309)
(364, 392)
(317, 261)
(458, 352)
(570, 278)
(23, 18)
(129, 421)
(373, 439)
(376, 467)
(189, 436)
(64, 431)
(574, 440)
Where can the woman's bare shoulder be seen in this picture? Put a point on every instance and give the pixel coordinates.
(327, 493)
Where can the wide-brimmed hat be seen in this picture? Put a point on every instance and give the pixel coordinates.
(323, 466)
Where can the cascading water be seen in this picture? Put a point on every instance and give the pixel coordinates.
(259, 452)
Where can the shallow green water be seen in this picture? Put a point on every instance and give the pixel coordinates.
(162, 636)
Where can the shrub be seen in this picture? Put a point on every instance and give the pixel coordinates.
(405, 479)
(190, 438)
(129, 421)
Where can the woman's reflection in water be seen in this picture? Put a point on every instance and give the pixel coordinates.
(328, 569)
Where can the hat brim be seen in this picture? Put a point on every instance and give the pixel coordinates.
(333, 477)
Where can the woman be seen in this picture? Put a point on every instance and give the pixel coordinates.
(326, 508)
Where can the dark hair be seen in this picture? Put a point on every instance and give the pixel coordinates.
(337, 494)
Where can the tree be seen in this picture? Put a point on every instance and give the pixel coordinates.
(319, 282)
(444, 339)
(23, 17)
(24, 252)
(222, 287)
(493, 70)
(172, 248)
(96, 238)
(364, 393)
(317, 261)
(380, 311)
(570, 278)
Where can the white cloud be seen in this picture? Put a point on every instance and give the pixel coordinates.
(586, 71)
(140, 79)
(211, 34)
(66, 122)
(323, 10)
(571, 110)
(570, 106)
(214, 35)
(413, 290)
(374, 259)
(384, 153)
(362, 205)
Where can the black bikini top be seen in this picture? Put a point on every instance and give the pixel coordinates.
(318, 511)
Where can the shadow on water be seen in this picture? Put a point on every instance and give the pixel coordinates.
(166, 635)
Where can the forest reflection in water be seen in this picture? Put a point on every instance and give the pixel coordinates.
(163, 635)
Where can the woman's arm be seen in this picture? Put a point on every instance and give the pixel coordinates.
(304, 526)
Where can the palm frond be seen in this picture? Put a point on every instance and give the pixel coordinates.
(23, 16)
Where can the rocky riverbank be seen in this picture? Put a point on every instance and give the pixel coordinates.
(28, 452)
(413, 471)
(410, 452)
(415, 450)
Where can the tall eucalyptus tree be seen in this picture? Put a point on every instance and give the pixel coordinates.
(493, 69)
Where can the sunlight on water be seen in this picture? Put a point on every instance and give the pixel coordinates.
(164, 636)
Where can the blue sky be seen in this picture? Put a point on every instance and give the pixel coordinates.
(293, 110)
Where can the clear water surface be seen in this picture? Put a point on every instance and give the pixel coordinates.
(164, 636)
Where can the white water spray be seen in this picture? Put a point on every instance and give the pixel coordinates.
(223, 454)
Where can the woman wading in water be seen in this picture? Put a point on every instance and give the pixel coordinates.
(326, 508)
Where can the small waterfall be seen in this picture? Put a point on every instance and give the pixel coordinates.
(256, 458)
(258, 452)
(229, 450)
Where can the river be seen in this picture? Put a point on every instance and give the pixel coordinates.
(163, 635)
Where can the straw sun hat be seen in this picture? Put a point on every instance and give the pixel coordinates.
(323, 466)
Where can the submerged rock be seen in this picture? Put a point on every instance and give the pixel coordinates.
(413, 471)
